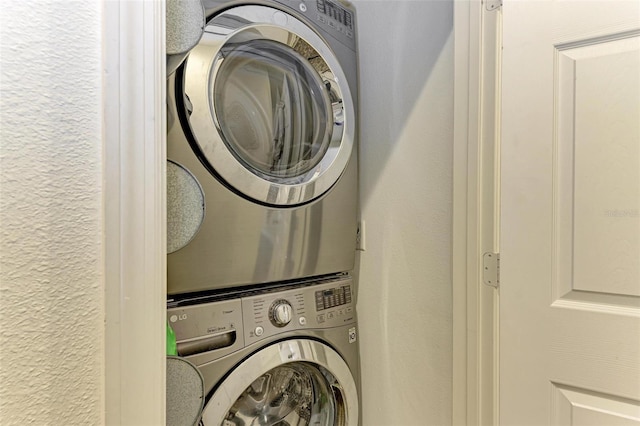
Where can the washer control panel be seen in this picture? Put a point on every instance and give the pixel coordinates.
(280, 313)
(318, 306)
(333, 297)
(208, 331)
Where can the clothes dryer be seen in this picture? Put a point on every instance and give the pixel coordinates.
(283, 356)
(261, 142)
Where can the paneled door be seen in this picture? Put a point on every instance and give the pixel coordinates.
(570, 213)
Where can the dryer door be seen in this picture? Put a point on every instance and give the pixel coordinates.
(267, 106)
(294, 382)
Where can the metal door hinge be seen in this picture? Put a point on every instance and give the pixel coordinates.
(491, 5)
(491, 269)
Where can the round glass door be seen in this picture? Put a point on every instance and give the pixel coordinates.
(314, 388)
(293, 394)
(268, 106)
(272, 108)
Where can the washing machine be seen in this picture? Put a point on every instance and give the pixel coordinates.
(281, 356)
(262, 147)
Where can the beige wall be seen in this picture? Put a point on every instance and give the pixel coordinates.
(405, 297)
(51, 272)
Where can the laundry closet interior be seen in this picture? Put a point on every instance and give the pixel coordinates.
(284, 190)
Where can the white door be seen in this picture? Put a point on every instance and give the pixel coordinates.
(570, 215)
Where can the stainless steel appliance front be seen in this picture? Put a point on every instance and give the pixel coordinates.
(284, 356)
(262, 116)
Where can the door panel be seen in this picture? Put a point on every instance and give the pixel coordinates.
(598, 121)
(575, 406)
(570, 214)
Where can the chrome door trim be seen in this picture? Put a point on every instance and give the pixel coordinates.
(200, 71)
(287, 351)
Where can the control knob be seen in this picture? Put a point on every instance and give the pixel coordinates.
(280, 313)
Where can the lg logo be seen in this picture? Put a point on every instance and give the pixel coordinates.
(174, 318)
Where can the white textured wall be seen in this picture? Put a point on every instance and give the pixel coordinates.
(51, 273)
(405, 296)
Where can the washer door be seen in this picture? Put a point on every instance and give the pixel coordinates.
(294, 382)
(268, 106)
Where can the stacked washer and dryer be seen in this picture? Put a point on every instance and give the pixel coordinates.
(262, 212)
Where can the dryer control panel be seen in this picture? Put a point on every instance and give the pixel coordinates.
(336, 16)
(330, 15)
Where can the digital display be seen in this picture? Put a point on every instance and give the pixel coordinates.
(335, 12)
(326, 299)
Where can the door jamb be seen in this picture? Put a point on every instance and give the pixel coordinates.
(476, 211)
(134, 135)
(135, 223)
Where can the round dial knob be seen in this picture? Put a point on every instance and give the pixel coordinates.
(280, 313)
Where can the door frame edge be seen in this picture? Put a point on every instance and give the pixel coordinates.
(134, 197)
(476, 211)
(460, 211)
